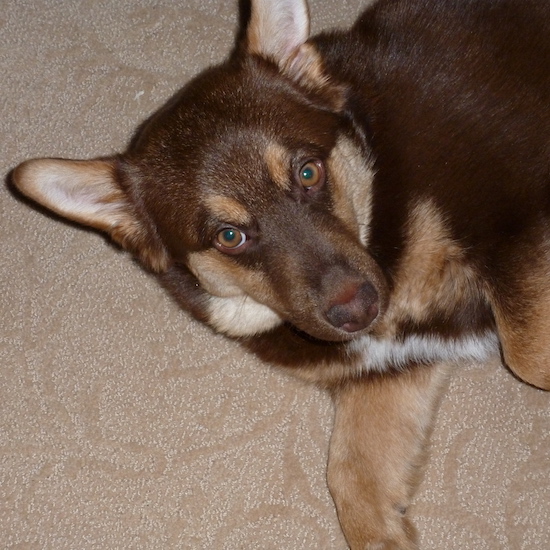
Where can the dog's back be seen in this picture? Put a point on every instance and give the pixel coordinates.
(455, 98)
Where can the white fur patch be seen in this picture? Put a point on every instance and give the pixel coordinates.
(239, 316)
(382, 354)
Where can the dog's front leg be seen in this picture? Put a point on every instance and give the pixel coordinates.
(381, 429)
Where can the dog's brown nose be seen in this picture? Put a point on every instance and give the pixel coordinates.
(355, 308)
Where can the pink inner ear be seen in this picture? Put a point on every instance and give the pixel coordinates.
(277, 29)
(82, 190)
(87, 191)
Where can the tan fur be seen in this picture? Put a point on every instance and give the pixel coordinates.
(525, 349)
(352, 175)
(524, 322)
(227, 209)
(433, 276)
(277, 160)
(222, 277)
(372, 476)
(131, 235)
(306, 66)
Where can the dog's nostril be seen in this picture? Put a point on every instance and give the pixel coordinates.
(355, 309)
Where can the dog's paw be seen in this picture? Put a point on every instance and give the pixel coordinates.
(389, 545)
(398, 535)
(405, 539)
(394, 535)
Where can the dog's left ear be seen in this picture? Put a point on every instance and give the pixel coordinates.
(90, 192)
(279, 31)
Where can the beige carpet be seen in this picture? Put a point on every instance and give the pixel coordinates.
(124, 424)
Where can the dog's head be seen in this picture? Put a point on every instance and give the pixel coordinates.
(248, 192)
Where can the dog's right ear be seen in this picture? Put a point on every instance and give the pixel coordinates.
(278, 31)
(89, 192)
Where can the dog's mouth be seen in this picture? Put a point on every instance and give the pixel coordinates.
(317, 340)
(326, 336)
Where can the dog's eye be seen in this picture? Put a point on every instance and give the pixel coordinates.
(311, 174)
(230, 240)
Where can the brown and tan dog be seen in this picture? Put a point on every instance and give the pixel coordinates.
(364, 208)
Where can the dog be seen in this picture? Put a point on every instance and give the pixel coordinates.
(364, 208)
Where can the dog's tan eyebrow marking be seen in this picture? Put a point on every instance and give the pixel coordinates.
(228, 209)
(277, 159)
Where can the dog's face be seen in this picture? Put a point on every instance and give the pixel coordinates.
(253, 181)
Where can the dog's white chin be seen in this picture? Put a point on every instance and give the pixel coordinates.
(240, 316)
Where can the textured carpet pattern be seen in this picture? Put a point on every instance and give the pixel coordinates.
(125, 424)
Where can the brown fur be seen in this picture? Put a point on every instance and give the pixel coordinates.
(434, 279)
(390, 191)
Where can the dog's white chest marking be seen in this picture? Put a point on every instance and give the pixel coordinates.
(381, 354)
